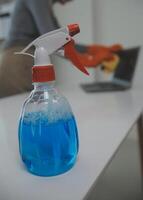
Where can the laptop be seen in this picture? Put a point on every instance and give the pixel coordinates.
(123, 75)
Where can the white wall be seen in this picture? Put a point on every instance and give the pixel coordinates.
(77, 11)
(118, 21)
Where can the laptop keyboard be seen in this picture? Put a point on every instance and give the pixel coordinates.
(103, 86)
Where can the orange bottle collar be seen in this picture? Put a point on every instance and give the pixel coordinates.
(43, 73)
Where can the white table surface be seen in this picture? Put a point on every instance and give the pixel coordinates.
(103, 121)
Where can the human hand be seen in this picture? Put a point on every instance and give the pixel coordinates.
(97, 54)
(95, 48)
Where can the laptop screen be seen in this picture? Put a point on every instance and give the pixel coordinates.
(126, 67)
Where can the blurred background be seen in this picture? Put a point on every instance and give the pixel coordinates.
(103, 22)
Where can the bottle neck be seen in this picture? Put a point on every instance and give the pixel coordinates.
(43, 85)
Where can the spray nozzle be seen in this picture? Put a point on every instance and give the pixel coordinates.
(73, 29)
(59, 41)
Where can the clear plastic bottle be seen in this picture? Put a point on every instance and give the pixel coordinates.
(48, 136)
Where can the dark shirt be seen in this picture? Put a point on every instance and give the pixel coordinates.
(31, 18)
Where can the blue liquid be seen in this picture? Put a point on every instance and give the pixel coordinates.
(47, 148)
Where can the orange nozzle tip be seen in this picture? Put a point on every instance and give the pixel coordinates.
(84, 70)
(73, 29)
(87, 73)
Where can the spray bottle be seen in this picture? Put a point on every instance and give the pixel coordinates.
(48, 135)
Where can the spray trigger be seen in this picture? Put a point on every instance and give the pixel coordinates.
(55, 42)
(70, 53)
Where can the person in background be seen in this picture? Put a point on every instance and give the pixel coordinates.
(32, 18)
